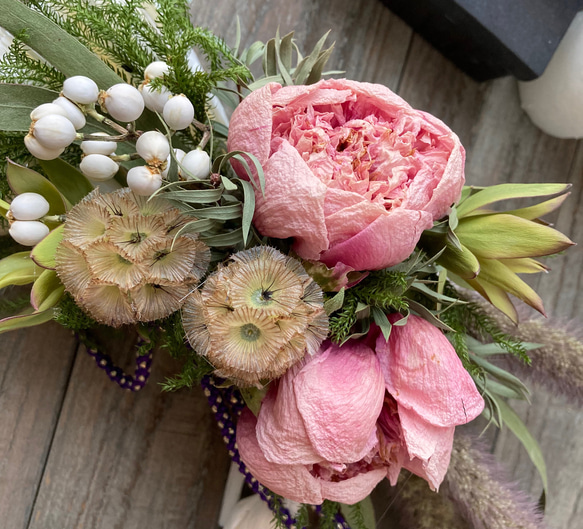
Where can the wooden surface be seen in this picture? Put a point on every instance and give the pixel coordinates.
(75, 452)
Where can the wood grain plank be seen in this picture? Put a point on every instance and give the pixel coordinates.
(34, 369)
(131, 460)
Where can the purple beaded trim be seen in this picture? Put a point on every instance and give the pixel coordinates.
(116, 374)
(226, 405)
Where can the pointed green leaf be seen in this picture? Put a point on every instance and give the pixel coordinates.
(248, 208)
(269, 59)
(426, 314)
(287, 80)
(492, 194)
(18, 269)
(495, 295)
(335, 302)
(524, 265)
(539, 210)
(502, 236)
(518, 428)
(28, 319)
(380, 318)
(230, 212)
(24, 180)
(43, 254)
(303, 69)
(18, 101)
(71, 183)
(46, 291)
(230, 238)
(196, 196)
(4, 208)
(253, 53)
(316, 71)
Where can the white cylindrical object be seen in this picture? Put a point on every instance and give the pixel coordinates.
(40, 151)
(155, 99)
(155, 69)
(153, 147)
(178, 112)
(80, 89)
(123, 102)
(554, 101)
(28, 232)
(29, 206)
(47, 109)
(196, 164)
(99, 147)
(73, 112)
(144, 180)
(54, 131)
(98, 167)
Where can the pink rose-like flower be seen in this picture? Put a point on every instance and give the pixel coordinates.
(347, 418)
(353, 173)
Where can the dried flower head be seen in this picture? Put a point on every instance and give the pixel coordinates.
(256, 317)
(121, 261)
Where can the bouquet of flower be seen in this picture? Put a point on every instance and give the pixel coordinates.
(317, 262)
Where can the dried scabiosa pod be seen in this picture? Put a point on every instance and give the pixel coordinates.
(256, 316)
(121, 261)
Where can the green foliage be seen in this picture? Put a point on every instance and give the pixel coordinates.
(303, 517)
(71, 316)
(20, 67)
(384, 289)
(276, 506)
(471, 318)
(328, 514)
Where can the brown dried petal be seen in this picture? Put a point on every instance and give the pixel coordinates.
(108, 305)
(108, 265)
(153, 302)
(72, 268)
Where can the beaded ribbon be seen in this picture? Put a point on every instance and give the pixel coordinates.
(226, 405)
(116, 374)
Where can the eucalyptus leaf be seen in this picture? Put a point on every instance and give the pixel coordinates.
(426, 314)
(248, 208)
(70, 182)
(231, 238)
(303, 69)
(519, 429)
(227, 184)
(335, 303)
(380, 318)
(196, 196)
(18, 101)
(269, 59)
(196, 226)
(316, 71)
(229, 212)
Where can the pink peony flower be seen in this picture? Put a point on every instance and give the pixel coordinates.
(335, 426)
(353, 173)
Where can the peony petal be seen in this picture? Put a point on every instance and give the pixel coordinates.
(353, 490)
(291, 481)
(429, 447)
(293, 205)
(340, 395)
(281, 433)
(424, 373)
(390, 239)
(250, 127)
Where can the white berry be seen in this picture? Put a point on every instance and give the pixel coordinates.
(40, 151)
(73, 112)
(153, 147)
(155, 69)
(28, 232)
(80, 89)
(99, 147)
(178, 112)
(29, 206)
(98, 167)
(54, 131)
(155, 99)
(123, 102)
(46, 109)
(144, 180)
(197, 164)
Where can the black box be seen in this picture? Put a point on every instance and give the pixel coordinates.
(492, 38)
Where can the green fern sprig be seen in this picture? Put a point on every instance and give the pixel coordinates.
(19, 67)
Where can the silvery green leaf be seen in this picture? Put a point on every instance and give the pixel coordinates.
(248, 208)
(316, 71)
(276, 78)
(426, 314)
(229, 212)
(231, 238)
(304, 67)
(196, 196)
(334, 303)
(269, 59)
(380, 318)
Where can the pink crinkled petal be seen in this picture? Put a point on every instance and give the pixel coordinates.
(280, 429)
(429, 447)
(304, 96)
(390, 239)
(340, 395)
(293, 205)
(449, 186)
(423, 373)
(351, 220)
(250, 126)
(291, 481)
(352, 490)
